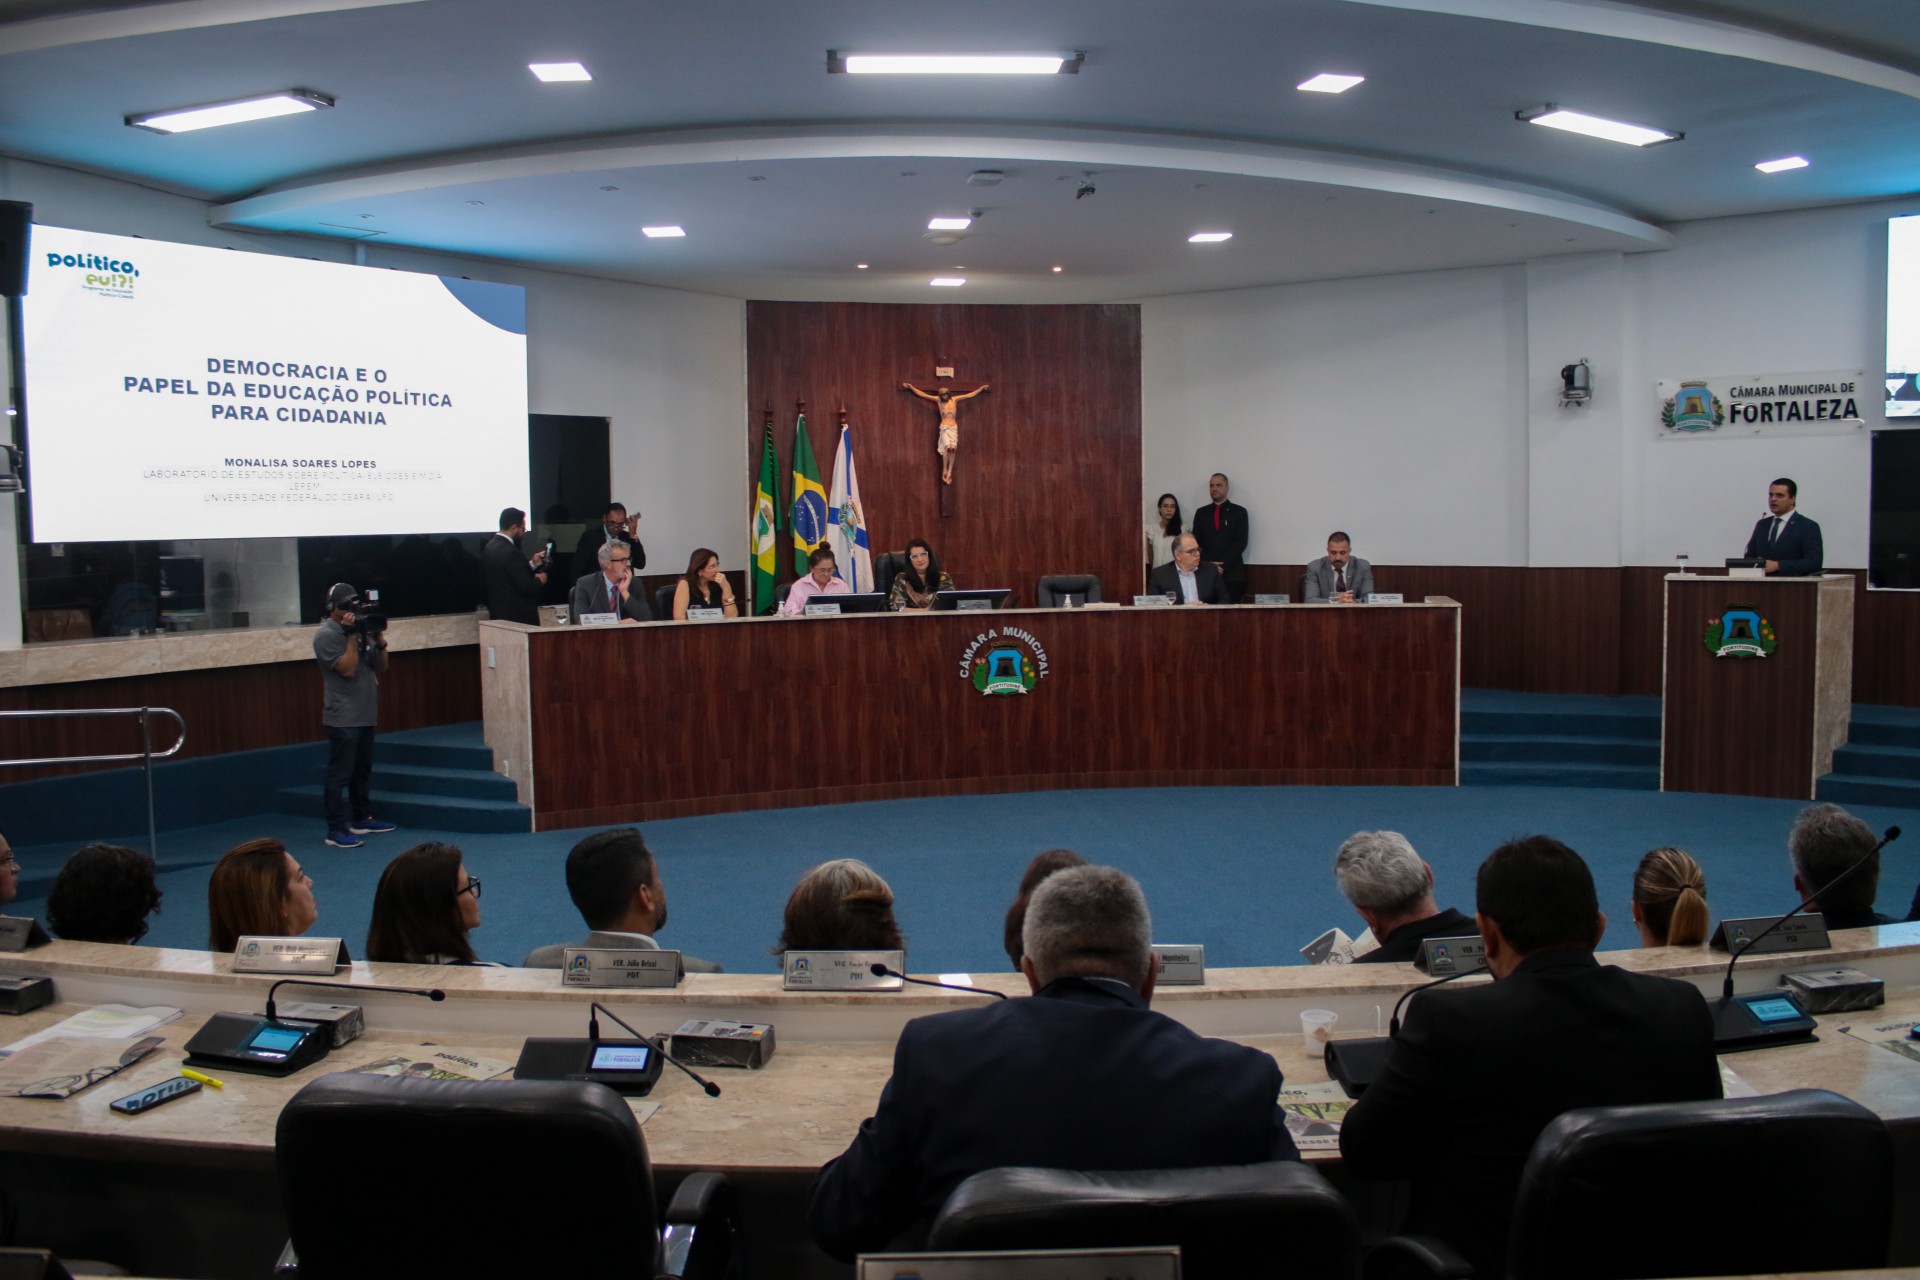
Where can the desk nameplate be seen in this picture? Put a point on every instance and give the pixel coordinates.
(1154, 600)
(1180, 966)
(840, 970)
(618, 967)
(704, 614)
(264, 954)
(823, 609)
(599, 619)
(1806, 931)
(17, 933)
(1386, 597)
(1272, 597)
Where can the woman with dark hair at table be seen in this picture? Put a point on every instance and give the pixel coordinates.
(914, 586)
(258, 890)
(424, 907)
(841, 905)
(1162, 529)
(103, 894)
(1042, 866)
(703, 586)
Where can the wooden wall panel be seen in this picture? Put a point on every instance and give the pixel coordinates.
(1571, 636)
(1048, 476)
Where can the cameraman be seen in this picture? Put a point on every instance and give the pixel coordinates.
(352, 653)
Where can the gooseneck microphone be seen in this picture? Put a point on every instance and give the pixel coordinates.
(1393, 1023)
(595, 1008)
(1726, 987)
(431, 993)
(881, 971)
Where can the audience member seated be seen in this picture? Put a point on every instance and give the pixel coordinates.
(1670, 900)
(9, 873)
(841, 905)
(1391, 887)
(818, 581)
(424, 907)
(1083, 1076)
(1476, 1073)
(615, 885)
(915, 586)
(1825, 841)
(1042, 866)
(703, 586)
(103, 894)
(258, 889)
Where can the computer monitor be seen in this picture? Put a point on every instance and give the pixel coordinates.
(855, 602)
(989, 598)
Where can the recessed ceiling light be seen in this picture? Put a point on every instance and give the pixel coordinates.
(559, 72)
(949, 224)
(1209, 237)
(1634, 135)
(1781, 165)
(661, 233)
(859, 266)
(288, 102)
(948, 282)
(1059, 268)
(1327, 82)
(954, 64)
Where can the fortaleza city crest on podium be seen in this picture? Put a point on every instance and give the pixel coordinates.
(1004, 661)
(1740, 633)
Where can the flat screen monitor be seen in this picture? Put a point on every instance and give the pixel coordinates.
(856, 601)
(990, 597)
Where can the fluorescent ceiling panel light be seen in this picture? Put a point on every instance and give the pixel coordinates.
(949, 224)
(953, 64)
(1209, 237)
(1634, 135)
(948, 282)
(288, 102)
(559, 72)
(1781, 165)
(1327, 82)
(662, 233)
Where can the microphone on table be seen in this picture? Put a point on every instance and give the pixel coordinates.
(1355, 1064)
(593, 1036)
(1393, 1023)
(431, 993)
(272, 1046)
(882, 971)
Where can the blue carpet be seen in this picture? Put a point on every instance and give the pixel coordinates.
(1243, 870)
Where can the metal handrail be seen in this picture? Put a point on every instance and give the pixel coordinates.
(146, 755)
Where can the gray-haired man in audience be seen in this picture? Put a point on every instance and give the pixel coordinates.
(1825, 841)
(1391, 887)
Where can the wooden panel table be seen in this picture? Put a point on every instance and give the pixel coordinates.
(772, 712)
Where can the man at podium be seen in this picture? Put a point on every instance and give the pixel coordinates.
(1785, 539)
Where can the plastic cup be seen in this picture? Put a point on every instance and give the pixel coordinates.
(1316, 1025)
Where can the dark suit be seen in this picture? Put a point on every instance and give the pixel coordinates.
(1222, 534)
(1798, 547)
(1212, 588)
(1321, 582)
(586, 552)
(592, 595)
(512, 592)
(1476, 1074)
(1081, 1076)
(1402, 946)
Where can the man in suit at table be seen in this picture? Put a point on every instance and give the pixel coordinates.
(1476, 1074)
(1785, 539)
(1187, 579)
(1338, 576)
(511, 580)
(615, 885)
(609, 585)
(1391, 887)
(1081, 1076)
(1222, 529)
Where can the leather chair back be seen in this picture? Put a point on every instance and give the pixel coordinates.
(1796, 1181)
(1063, 590)
(663, 601)
(389, 1177)
(887, 566)
(1238, 1221)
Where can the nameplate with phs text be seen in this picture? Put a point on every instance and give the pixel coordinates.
(840, 970)
(823, 609)
(1154, 601)
(1385, 597)
(285, 955)
(1271, 597)
(599, 619)
(17, 933)
(1181, 966)
(704, 614)
(619, 967)
(1806, 931)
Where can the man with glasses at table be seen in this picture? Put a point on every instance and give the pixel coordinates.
(609, 588)
(1188, 579)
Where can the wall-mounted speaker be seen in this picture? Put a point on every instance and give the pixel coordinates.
(16, 217)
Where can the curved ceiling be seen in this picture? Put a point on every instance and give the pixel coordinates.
(720, 116)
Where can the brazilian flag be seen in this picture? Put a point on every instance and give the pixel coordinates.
(765, 527)
(809, 516)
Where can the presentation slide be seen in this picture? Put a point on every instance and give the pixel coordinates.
(1903, 317)
(174, 391)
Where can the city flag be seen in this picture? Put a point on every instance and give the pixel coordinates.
(809, 519)
(847, 533)
(765, 526)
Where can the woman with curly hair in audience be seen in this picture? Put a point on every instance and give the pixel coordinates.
(103, 894)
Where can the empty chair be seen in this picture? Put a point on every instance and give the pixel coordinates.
(1240, 1221)
(662, 602)
(1068, 590)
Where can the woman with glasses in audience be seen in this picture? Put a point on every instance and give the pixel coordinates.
(424, 907)
(1670, 900)
(914, 586)
(841, 905)
(703, 586)
(258, 890)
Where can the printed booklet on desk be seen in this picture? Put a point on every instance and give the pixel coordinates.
(434, 1062)
(1314, 1112)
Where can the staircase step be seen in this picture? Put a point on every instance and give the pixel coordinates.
(1852, 788)
(1620, 777)
(428, 780)
(1880, 733)
(426, 812)
(1868, 760)
(399, 749)
(1634, 724)
(1521, 748)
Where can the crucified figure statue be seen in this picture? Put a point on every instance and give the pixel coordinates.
(949, 425)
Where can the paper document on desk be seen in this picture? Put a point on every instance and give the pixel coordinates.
(1314, 1112)
(1335, 947)
(434, 1062)
(1890, 1035)
(102, 1022)
(62, 1067)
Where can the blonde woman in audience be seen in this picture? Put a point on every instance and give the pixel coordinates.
(841, 905)
(1670, 900)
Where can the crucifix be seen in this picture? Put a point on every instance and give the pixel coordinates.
(944, 399)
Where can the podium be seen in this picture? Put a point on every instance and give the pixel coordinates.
(1758, 683)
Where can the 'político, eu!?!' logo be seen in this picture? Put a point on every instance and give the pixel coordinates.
(111, 276)
(1004, 661)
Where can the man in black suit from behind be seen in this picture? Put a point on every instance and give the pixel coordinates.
(1475, 1074)
(1188, 579)
(1081, 1076)
(512, 582)
(1785, 539)
(610, 588)
(1222, 529)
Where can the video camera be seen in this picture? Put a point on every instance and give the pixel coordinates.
(368, 619)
